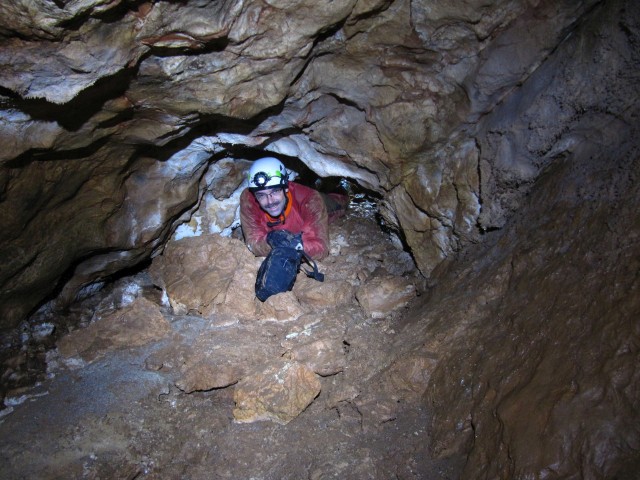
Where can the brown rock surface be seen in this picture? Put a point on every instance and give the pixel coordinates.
(532, 336)
(332, 292)
(304, 375)
(136, 325)
(198, 272)
(259, 397)
(382, 295)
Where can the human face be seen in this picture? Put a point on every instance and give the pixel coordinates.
(272, 200)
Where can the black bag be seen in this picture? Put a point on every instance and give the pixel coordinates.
(278, 271)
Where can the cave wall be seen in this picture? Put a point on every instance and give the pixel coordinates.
(534, 335)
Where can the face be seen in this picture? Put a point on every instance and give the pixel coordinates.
(272, 200)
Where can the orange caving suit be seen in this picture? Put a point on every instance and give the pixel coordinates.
(306, 212)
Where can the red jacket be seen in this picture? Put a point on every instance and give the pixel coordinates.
(308, 214)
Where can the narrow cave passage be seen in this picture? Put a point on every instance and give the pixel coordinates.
(25, 349)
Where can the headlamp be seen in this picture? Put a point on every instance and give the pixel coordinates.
(260, 179)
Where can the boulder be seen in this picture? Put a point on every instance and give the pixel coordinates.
(324, 356)
(317, 295)
(206, 275)
(278, 393)
(132, 326)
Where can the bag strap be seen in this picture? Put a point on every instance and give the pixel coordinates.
(315, 274)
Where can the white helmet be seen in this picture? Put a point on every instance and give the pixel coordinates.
(267, 172)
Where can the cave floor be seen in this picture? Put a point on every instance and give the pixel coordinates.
(116, 418)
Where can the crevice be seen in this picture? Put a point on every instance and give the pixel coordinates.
(48, 155)
(84, 105)
(196, 47)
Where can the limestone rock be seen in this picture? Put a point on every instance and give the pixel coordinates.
(239, 299)
(330, 293)
(282, 307)
(219, 210)
(325, 356)
(387, 94)
(376, 410)
(455, 113)
(319, 341)
(208, 274)
(205, 376)
(278, 393)
(35, 69)
(136, 325)
(222, 354)
(410, 375)
(524, 354)
(383, 295)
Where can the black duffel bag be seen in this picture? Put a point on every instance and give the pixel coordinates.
(279, 269)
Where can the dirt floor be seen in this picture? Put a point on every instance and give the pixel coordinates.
(116, 418)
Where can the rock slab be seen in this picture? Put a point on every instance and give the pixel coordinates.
(279, 393)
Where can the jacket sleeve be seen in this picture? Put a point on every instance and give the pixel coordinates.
(315, 230)
(253, 229)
